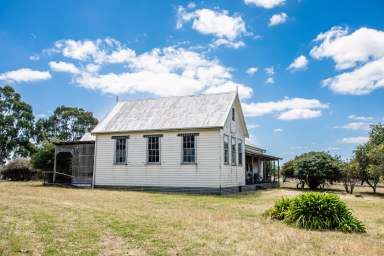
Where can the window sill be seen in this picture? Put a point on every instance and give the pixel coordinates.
(188, 163)
(120, 163)
(152, 163)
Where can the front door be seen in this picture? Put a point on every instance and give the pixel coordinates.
(248, 171)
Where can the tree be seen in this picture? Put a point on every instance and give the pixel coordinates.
(376, 166)
(65, 124)
(288, 169)
(315, 168)
(350, 175)
(370, 157)
(44, 157)
(16, 125)
(376, 135)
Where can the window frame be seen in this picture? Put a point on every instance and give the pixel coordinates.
(115, 150)
(184, 135)
(240, 152)
(233, 151)
(226, 149)
(148, 138)
(233, 115)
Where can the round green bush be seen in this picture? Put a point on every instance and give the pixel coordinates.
(317, 211)
(18, 170)
(279, 210)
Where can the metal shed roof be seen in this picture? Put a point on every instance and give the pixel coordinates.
(184, 112)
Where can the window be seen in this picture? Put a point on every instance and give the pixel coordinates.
(233, 151)
(153, 148)
(226, 149)
(189, 147)
(120, 149)
(233, 114)
(240, 151)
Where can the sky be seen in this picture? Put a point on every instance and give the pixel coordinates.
(310, 73)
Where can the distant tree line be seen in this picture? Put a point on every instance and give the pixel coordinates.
(316, 169)
(22, 135)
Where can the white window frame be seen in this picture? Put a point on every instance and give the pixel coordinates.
(115, 139)
(148, 137)
(233, 151)
(226, 149)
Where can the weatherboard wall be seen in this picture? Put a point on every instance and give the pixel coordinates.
(171, 172)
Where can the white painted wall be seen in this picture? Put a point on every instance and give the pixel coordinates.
(232, 175)
(170, 172)
(210, 170)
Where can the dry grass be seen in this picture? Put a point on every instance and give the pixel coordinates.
(38, 220)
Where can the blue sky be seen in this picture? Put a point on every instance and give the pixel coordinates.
(310, 73)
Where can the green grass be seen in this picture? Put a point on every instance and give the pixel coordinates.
(38, 220)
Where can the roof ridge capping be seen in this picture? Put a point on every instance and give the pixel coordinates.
(180, 96)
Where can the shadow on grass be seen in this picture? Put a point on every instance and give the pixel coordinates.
(338, 191)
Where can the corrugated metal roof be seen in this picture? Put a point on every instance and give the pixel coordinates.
(88, 137)
(203, 111)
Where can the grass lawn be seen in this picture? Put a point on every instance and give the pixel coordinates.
(38, 220)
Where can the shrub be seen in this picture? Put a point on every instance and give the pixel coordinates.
(18, 169)
(279, 210)
(317, 211)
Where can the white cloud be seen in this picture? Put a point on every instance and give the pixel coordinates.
(270, 80)
(347, 50)
(270, 71)
(299, 63)
(253, 126)
(360, 81)
(267, 4)
(34, 57)
(252, 70)
(362, 50)
(278, 19)
(295, 114)
(225, 28)
(165, 72)
(24, 75)
(278, 130)
(353, 140)
(355, 126)
(100, 51)
(225, 42)
(287, 109)
(63, 67)
(360, 118)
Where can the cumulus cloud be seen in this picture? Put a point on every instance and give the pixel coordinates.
(278, 19)
(65, 67)
(226, 29)
(270, 80)
(278, 130)
(360, 81)
(286, 109)
(161, 71)
(24, 75)
(355, 126)
(353, 140)
(298, 113)
(299, 63)
(267, 4)
(362, 50)
(251, 71)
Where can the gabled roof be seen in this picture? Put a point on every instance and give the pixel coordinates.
(185, 112)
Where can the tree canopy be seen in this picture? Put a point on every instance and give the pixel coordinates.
(65, 124)
(313, 168)
(16, 125)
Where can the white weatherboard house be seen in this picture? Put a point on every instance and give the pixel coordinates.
(188, 143)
